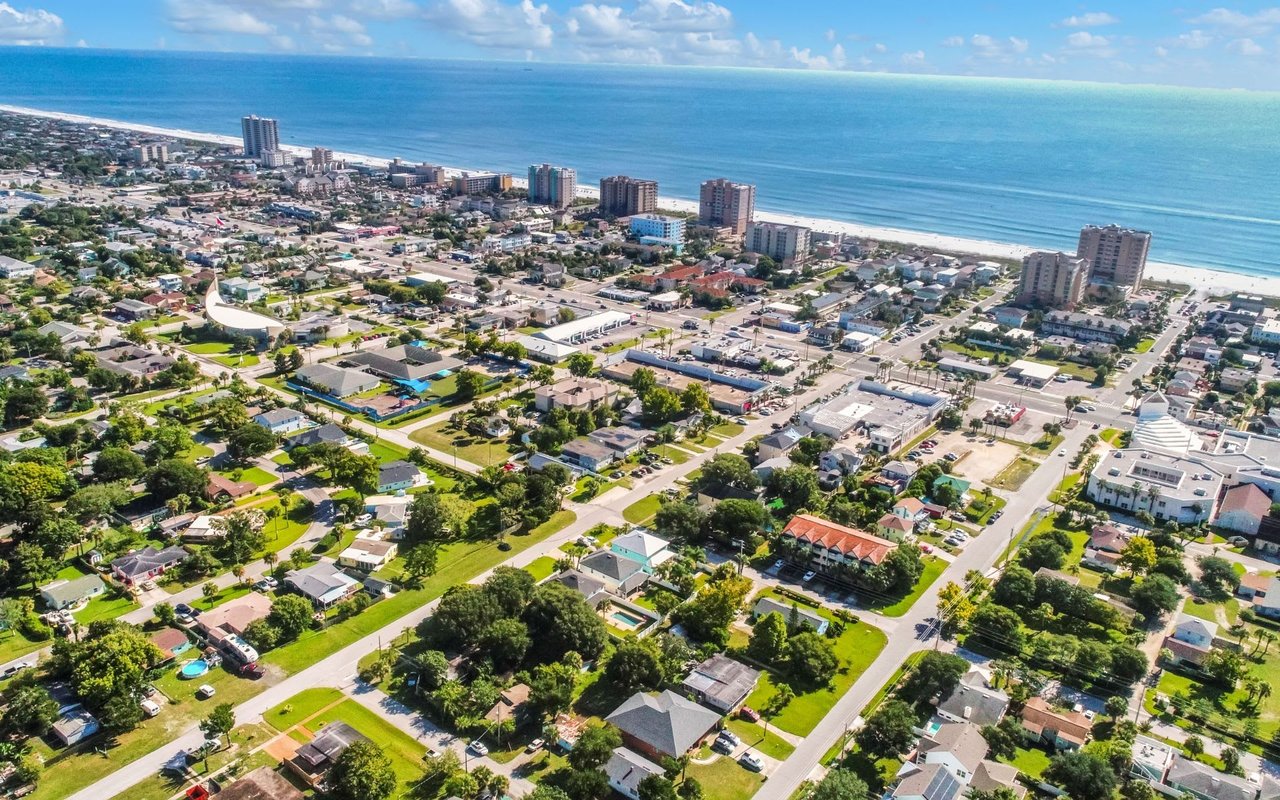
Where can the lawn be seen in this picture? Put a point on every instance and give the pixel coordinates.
(459, 562)
(208, 348)
(667, 451)
(104, 607)
(1145, 345)
(933, 567)
(244, 360)
(15, 645)
(162, 786)
(1014, 475)
(642, 509)
(727, 430)
(1065, 488)
(754, 735)
(255, 475)
(301, 706)
(541, 568)
(724, 779)
(1114, 437)
(857, 647)
(463, 444)
(1029, 761)
(405, 753)
(225, 595)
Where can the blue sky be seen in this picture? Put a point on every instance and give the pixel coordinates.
(1191, 43)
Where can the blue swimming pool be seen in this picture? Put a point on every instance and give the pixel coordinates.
(193, 669)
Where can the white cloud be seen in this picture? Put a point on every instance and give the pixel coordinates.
(1019, 45)
(1258, 23)
(29, 27)
(1093, 19)
(1245, 47)
(383, 9)
(879, 48)
(494, 24)
(336, 32)
(203, 17)
(913, 59)
(830, 34)
(953, 41)
(1083, 40)
(1161, 51)
(984, 47)
(1194, 40)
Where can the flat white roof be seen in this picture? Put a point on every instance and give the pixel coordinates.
(1033, 369)
(577, 327)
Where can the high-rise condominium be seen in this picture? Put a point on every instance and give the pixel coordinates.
(1052, 280)
(782, 243)
(552, 186)
(260, 135)
(621, 196)
(1117, 256)
(725, 204)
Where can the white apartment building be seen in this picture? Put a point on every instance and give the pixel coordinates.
(1167, 486)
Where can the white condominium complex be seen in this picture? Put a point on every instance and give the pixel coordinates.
(1052, 280)
(623, 196)
(782, 243)
(552, 186)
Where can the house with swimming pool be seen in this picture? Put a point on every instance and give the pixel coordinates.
(651, 551)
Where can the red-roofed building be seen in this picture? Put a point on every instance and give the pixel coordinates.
(829, 546)
(677, 277)
(1108, 538)
(167, 301)
(1243, 508)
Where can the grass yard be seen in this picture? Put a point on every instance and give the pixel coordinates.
(727, 430)
(243, 360)
(541, 568)
(1029, 761)
(464, 444)
(104, 607)
(255, 475)
(1011, 478)
(405, 753)
(667, 451)
(459, 562)
(754, 735)
(301, 706)
(857, 647)
(1065, 488)
(15, 645)
(162, 786)
(1114, 437)
(724, 779)
(1145, 345)
(208, 348)
(933, 567)
(642, 509)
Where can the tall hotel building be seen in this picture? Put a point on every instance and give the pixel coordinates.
(552, 186)
(1117, 256)
(725, 204)
(621, 196)
(260, 135)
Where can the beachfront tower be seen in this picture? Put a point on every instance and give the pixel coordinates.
(1117, 256)
(260, 136)
(1052, 280)
(552, 186)
(725, 204)
(621, 196)
(785, 244)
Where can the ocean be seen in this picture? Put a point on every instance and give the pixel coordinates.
(1020, 162)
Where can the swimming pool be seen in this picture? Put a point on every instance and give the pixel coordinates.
(626, 620)
(193, 669)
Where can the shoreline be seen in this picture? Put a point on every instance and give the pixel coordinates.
(1199, 278)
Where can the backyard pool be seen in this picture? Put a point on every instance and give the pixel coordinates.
(193, 669)
(625, 620)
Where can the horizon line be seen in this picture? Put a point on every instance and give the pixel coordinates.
(846, 73)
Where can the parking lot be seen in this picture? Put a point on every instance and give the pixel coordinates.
(978, 459)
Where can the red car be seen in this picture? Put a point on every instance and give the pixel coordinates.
(749, 714)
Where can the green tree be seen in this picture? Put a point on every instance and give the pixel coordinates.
(1155, 595)
(1139, 556)
(1082, 775)
(661, 405)
(241, 537)
(362, 772)
(469, 384)
(25, 401)
(796, 487)
(564, 622)
(636, 664)
(219, 724)
(594, 747)
(291, 615)
(421, 561)
(173, 477)
(728, 469)
(656, 787)
(768, 643)
(888, 731)
(935, 675)
(1218, 579)
(118, 464)
(581, 364)
(841, 784)
(999, 627)
(250, 441)
(679, 522)
(505, 643)
(811, 660)
(30, 711)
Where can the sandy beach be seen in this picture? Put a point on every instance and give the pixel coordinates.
(1209, 280)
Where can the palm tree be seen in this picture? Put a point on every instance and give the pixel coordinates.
(1264, 690)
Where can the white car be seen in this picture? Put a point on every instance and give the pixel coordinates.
(478, 747)
(751, 761)
(808, 576)
(150, 708)
(205, 691)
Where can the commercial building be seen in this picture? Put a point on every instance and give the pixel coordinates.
(261, 135)
(1085, 327)
(1169, 487)
(783, 243)
(725, 204)
(660, 230)
(336, 381)
(481, 183)
(1117, 256)
(1052, 280)
(891, 416)
(552, 186)
(622, 196)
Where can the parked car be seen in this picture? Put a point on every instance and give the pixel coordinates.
(751, 761)
(535, 746)
(730, 737)
(14, 669)
(722, 746)
(205, 691)
(478, 747)
(150, 708)
(748, 713)
(808, 576)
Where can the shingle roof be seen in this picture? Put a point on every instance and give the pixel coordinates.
(975, 703)
(396, 472)
(726, 680)
(666, 722)
(1245, 497)
(140, 562)
(960, 739)
(628, 768)
(328, 432)
(1038, 715)
(1209, 782)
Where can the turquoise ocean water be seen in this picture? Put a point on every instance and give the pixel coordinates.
(1014, 161)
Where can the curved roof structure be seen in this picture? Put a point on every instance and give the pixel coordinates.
(237, 319)
(1158, 430)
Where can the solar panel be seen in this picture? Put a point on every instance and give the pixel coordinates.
(944, 786)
